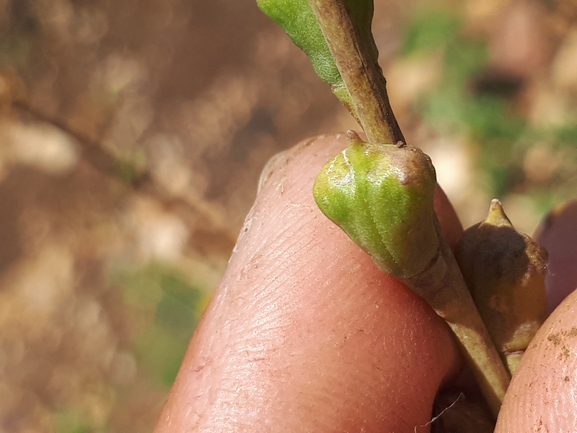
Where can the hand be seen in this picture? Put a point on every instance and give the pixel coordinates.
(306, 334)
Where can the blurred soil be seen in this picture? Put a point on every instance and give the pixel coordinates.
(132, 135)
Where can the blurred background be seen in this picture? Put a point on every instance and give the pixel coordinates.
(132, 135)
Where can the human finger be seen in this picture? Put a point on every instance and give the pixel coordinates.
(304, 333)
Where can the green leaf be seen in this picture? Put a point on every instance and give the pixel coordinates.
(300, 24)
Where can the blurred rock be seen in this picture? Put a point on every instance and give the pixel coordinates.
(158, 235)
(41, 145)
(565, 64)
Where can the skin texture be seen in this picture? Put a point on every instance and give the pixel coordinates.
(452, 227)
(304, 332)
(558, 235)
(542, 396)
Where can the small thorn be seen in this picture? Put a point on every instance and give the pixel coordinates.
(497, 216)
(353, 136)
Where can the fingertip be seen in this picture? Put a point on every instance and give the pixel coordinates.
(558, 235)
(450, 223)
(541, 396)
(322, 149)
(304, 332)
(327, 146)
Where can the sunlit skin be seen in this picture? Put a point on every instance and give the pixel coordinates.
(305, 334)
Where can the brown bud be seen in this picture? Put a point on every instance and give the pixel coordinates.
(505, 272)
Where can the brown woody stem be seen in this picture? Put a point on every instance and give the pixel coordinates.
(443, 287)
(363, 78)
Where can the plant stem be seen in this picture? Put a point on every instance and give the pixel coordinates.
(441, 284)
(443, 287)
(362, 77)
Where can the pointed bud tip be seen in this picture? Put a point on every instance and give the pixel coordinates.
(353, 136)
(497, 216)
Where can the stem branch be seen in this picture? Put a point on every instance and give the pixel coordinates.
(443, 287)
(362, 77)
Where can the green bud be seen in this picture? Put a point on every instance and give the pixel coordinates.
(381, 195)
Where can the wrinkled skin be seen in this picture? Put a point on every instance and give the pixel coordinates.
(542, 396)
(306, 334)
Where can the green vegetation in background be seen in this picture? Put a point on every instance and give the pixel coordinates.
(164, 306)
(18, 37)
(489, 116)
(127, 172)
(13, 52)
(170, 306)
(70, 421)
(430, 30)
(567, 134)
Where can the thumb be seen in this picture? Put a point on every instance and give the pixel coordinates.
(304, 332)
(542, 394)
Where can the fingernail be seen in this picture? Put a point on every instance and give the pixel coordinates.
(269, 168)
